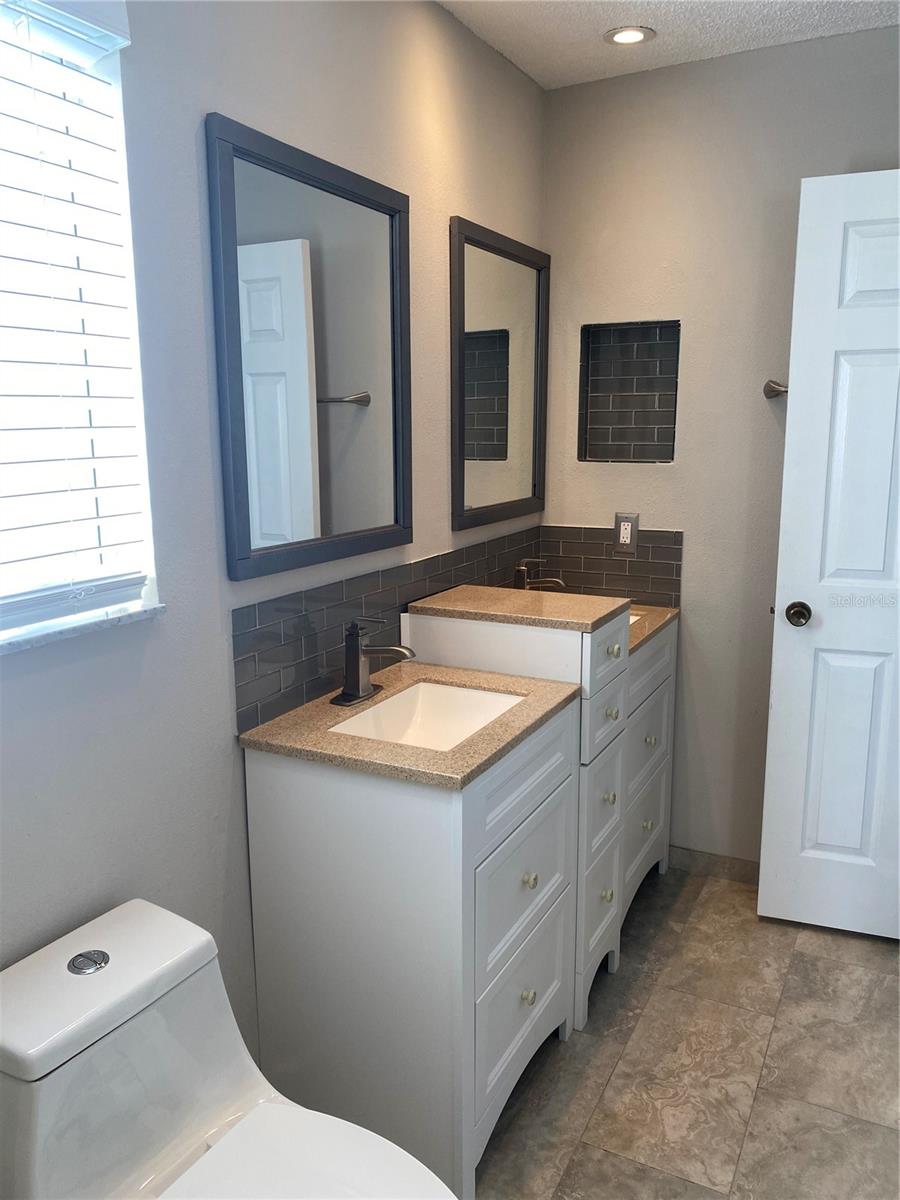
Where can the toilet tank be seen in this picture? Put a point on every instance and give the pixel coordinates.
(112, 1077)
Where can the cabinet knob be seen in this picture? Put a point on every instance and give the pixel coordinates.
(610, 797)
(530, 997)
(608, 895)
(613, 714)
(614, 651)
(650, 739)
(647, 825)
(530, 879)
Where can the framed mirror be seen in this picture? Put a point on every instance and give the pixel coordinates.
(499, 307)
(311, 286)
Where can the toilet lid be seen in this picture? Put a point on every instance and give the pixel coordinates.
(285, 1152)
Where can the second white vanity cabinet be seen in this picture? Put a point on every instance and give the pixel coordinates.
(626, 673)
(414, 913)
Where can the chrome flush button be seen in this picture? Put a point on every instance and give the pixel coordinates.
(88, 962)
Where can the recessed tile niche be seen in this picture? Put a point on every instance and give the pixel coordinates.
(627, 394)
(487, 394)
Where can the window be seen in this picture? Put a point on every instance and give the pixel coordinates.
(75, 533)
(629, 382)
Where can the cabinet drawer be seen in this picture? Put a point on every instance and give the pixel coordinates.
(520, 881)
(503, 797)
(527, 1000)
(602, 717)
(602, 900)
(650, 665)
(602, 796)
(604, 654)
(647, 739)
(645, 824)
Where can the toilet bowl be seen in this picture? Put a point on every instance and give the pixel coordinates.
(123, 1073)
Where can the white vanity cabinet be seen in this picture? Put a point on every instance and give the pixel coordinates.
(415, 944)
(625, 747)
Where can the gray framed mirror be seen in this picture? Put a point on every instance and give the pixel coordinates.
(499, 308)
(311, 286)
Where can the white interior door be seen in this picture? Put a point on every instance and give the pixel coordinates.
(829, 844)
(279, 369)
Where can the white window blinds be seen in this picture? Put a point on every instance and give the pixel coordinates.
(74, 510)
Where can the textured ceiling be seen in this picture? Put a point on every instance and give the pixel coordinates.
(560, 42)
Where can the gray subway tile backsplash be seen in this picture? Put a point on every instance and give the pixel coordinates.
(289, 650)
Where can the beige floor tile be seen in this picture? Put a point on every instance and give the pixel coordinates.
(680, 1097)
(545, 1118)
(835, 1039)
(878, 954)
(797, 1151)
(728, 953)
(594, 1174)
(650, 933)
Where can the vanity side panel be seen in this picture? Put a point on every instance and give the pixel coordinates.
(357, 917)
(493, 646)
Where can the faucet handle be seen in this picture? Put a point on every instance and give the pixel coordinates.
(529, 564)
(354, 627)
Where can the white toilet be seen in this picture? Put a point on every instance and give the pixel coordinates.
(123, 1073)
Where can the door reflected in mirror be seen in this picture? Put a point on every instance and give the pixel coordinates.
(499, 295)
(313, 318)
(315, 288)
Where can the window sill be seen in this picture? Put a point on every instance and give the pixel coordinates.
(28, 637)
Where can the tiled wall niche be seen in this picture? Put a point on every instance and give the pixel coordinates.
(583, 558)
(289, 650)
(487, 394)
(627, 392)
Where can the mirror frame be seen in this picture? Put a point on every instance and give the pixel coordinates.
(226, 140)
(466, 233)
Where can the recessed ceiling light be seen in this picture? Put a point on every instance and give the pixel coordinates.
(629, 35)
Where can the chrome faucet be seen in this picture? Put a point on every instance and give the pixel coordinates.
(526, 577)
(357, 685)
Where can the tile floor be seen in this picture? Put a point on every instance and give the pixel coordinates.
(728, 1056)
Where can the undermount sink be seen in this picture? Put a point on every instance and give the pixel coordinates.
(434, 716)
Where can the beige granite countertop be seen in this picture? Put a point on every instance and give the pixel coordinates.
(513, 606)
(652, 619)
(306, 733)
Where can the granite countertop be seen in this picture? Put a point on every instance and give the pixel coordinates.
(514, 606)
(651, 619)
(306, 732)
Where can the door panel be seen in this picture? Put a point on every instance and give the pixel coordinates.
(829, 846)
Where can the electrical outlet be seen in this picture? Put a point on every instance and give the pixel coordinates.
(626, 535)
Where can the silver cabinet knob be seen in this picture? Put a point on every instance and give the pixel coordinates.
(613, 714)
(529, 997)
(610, 797)
(614, 651)
(530, 879)
(647, 825)
(608, 895)
(650, 739)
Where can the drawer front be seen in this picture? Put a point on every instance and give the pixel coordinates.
(645, 824)
(604, 654)
(527, 1000)
(602, 904)
(647, 739)
(498, 801)
(520, 881)
(650, 665)
(602, 796)
(602, 717)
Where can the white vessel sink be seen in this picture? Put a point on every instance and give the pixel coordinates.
(435, 716)
(632, 617)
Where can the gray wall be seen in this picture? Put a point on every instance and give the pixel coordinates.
(674, 194)
(120, 773)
